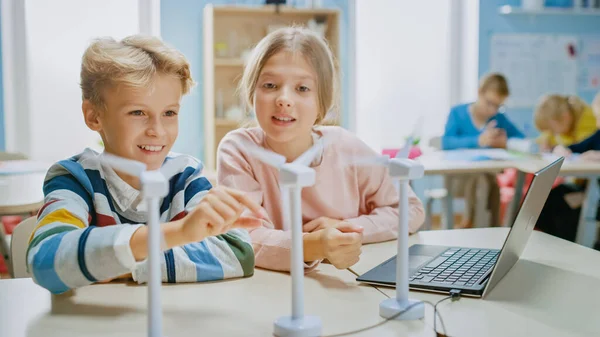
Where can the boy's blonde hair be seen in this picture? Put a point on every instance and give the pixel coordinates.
(496, 83)
(551, 107)
(132, 61)
(295, 40)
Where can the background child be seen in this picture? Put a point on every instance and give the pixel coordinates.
(290, 82)
(90, 229)
(563, 120)
(480, 125)
(560, 215)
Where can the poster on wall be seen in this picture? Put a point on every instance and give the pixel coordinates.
(534, 65)
(589, 64)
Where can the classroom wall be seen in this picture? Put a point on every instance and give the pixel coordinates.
(468, 50)
(58, 31)
(401, 74)
(492, 22)
(182, 27)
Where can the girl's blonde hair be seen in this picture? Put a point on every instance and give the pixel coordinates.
(132, 61)
(310, 46)
(551, 107)
(494, 82)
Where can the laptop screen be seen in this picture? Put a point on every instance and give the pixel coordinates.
(524, 222)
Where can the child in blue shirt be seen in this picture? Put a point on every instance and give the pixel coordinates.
(480, 124)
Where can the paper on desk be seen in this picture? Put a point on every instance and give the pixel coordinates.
(550, 157)
(478, 155)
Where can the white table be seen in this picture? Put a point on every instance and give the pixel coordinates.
(243, 307)
(554, 290)
(21, 183)
(436, 164)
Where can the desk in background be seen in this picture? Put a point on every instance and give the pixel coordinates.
(436, 164)
(587, 227)
(21, 183)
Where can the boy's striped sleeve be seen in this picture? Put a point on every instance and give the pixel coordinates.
(215, 258)
(64, 251)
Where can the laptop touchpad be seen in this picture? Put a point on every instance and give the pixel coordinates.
(415, 261)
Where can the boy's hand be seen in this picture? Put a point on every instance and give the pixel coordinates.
(341, 244)
(488, 137)
(218, 212)
(560, 150)
(319, 224)
(591, 156)
(499, 140)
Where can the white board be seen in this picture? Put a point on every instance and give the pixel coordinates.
(534, 65)
(589, 64)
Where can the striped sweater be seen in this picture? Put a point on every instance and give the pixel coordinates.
(84, 228)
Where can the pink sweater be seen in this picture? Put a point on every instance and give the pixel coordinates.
(363, 195)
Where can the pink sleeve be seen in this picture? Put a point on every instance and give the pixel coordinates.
(271, 246)
(379, 198)
(381, 223)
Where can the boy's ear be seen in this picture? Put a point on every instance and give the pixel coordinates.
(90, 115)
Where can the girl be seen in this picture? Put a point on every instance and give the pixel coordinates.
(290, 83)
(563, 120)
(560, 215)
(480, 125)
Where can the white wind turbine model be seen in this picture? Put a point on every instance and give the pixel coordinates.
(402, 170)
(155, 185)
(292, 178)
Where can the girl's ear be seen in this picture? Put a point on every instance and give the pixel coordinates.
(91, 115)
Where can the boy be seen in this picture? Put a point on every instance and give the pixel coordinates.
(91, 225)
(480, 125)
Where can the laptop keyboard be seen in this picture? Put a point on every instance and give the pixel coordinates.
(458, 267)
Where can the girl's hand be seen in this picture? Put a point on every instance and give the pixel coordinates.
(544, 143)
(319, 224)
(562, 151)
(342, 245)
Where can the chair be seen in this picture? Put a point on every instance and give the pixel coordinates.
(18, 248)
(432, 195)
(22, 195)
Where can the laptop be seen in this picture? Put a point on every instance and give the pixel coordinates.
(473, 271)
